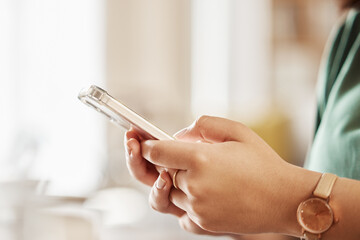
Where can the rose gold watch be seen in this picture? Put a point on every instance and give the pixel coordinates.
(315, 215)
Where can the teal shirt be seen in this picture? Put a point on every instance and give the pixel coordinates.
(336, 144)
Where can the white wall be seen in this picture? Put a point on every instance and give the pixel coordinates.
(148, 67)
(49, 51)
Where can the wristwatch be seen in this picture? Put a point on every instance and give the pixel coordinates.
(315, 215)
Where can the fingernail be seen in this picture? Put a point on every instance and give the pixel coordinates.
(160, 183)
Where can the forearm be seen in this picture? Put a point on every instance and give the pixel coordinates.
(344, 200)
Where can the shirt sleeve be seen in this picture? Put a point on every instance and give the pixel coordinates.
(336, 146)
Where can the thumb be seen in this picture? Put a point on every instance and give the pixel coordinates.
(213, 129)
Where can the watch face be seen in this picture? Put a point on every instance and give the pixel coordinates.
(315, 215)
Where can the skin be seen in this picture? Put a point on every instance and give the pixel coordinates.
(242, 200)
(232, 183)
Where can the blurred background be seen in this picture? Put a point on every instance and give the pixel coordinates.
(62, 165)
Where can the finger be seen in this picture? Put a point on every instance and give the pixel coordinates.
(127, 136)
(159, 196)
(179, 199)
(213, 129)
(131, 134)
(170, 154)
(139, 168)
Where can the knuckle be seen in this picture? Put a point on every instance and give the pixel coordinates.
(201, 158)
(200, 121)
(157, 202)
(190, 227)
(205, 224)
(153, 197)
(204, 218)
(154, 207)
(191, 189)
(194, 191)
(155, 152)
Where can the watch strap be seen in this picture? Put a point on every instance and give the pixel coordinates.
(325, 185)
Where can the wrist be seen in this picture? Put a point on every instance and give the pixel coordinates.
(298, 185)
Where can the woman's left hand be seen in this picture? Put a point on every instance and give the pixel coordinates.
(234, 182)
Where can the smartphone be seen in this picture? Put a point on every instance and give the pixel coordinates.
(119, 114)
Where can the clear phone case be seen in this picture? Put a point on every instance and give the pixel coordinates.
(119, 114)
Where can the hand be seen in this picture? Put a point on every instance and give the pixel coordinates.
(233, 183)
(161, 184)
(159, 201)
